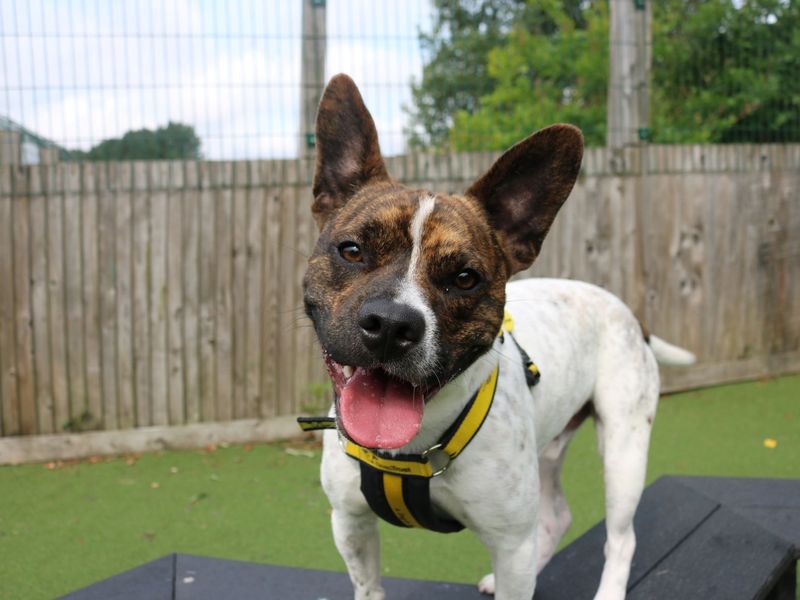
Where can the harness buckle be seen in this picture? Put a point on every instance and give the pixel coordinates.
(439, 459)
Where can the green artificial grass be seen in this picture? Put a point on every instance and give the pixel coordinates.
(66, 526)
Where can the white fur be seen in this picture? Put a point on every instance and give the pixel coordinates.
(505, 485)
(409, 291)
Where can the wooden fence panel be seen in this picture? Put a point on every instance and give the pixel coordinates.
(207, 277)
(129, 415)
(223, 334)
(92, 336)
(159, 287)
(40, 316)
(190, 276)
(24, 333)
(253, 288)
(270, 292)
(56, 297)
(169, 293)
(174, 291)
(140, 253)
(73, 294)
(9, 407)
(239, 288)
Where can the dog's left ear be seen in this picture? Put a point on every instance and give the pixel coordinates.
(348, 153)
(524, 189)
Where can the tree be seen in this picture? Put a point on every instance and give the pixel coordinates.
(175, 141)
(455, 75)
(726, 71)
(723, 70)
(555, 71)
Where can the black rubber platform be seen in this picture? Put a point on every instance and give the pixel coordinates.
(698, 538)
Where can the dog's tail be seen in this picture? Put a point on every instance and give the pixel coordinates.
(667, 354)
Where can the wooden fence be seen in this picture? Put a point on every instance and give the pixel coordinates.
(161, 294)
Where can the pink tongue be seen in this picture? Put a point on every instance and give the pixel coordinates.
(378, 411)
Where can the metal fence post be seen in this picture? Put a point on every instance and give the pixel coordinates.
(312, 76)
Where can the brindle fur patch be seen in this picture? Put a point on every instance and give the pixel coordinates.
(455, 236)
(495, 229)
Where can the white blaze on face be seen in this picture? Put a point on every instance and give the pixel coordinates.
(410, 292)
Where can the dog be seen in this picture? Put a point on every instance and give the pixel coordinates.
(439, 420)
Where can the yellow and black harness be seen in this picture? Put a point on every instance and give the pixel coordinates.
(397, 487)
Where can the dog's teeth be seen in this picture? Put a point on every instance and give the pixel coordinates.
(348, 371)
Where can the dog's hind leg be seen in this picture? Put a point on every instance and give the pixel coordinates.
(625, 405)
(554, 514)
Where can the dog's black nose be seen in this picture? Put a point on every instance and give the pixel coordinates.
(389, 329)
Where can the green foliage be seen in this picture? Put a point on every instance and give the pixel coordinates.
(726, 71)
(175, 141)
(550, 69)
(723, 71)
(455, 76)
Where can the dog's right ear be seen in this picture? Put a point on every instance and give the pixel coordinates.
(348, 154)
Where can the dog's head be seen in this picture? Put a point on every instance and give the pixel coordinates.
(406, 287)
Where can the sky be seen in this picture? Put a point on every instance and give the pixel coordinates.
(80, 71)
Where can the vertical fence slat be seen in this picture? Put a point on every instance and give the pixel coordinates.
(239, 287)
(207, 287)
(39, 296)
(305, 386)
(73, 294)
(141, 253)
(174, 278)
(190, 231)
(158, 288)
(270, 291)
(127, 409)
(56, 294)
(9, 407)
(224, 318)
(91, 293)
(106, 184)
(287, 346)
(255, 199)
(22, 301)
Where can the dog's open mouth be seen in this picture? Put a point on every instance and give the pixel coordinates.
(376, 409)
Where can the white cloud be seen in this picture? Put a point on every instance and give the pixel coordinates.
(79, 72)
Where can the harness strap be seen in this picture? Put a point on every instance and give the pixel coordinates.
(403, 501)
(397, 486)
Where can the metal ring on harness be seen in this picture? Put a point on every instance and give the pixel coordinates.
(437, 470)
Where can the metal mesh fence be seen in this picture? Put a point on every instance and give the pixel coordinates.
(76, 76)
(77, 72)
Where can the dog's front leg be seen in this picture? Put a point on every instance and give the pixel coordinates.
(356, 537)
(514, 563)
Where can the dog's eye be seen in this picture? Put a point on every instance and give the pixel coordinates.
(466, 280)
(350, 252)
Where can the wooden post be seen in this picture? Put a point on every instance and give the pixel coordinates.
(629, 71)
(10, 148)
(312, 76)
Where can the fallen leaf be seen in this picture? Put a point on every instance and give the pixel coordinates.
(299, 452)
(155, 485)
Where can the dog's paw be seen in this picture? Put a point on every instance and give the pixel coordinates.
(486, 585)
